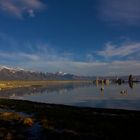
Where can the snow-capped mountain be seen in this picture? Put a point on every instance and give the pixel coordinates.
(11, 69)
(9, 73)
(61, 73)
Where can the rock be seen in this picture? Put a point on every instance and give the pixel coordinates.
(28, 121)
(8, 136)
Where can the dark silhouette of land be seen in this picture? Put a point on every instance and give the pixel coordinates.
(49, 121)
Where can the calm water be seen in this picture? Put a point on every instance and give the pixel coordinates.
(81, 95)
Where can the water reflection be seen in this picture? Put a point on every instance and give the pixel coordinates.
(131, 84)
(104, 94)
(60, 88)
(104, 83)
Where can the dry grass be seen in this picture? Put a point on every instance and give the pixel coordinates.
(9, 116)
(18, 84)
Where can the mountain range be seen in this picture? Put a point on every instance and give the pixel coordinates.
(7, 73)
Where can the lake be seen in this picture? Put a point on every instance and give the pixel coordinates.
(85, 95)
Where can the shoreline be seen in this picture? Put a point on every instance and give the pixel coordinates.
(68, 122)
(9, 102)
(44, 83)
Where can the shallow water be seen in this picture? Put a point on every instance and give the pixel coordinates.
(85, 95)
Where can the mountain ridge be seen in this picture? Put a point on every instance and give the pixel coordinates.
(9, 73)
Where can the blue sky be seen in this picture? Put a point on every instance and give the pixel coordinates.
(84, 37)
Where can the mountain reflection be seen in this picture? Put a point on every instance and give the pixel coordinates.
(131, 84)
(113, 95)
(33, 90)
(60, 89)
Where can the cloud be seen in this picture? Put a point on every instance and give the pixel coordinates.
(44, 57)
(31, 57)
(55, 62)
(90, 57)
(20, 8)
(19, 56)
(31, 13)
(120, 11)
(88, 68)
(124, 50)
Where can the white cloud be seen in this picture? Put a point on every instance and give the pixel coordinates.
(31, 13)
(19, 56)
(53, 61)
(120, 11)
(38, 62)
(19, 8)
(32, 57)
(90, 57)
(91, 68)
(123, 50)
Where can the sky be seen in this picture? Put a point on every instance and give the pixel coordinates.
(83, 37)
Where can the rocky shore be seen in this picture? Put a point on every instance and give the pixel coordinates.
(39, 121)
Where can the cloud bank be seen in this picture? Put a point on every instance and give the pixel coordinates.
(117, 59)
(56, 63)
(53, 62)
